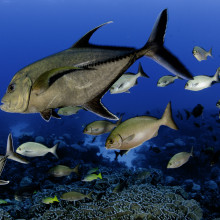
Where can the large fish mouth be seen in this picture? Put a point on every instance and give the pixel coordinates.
(5, 106)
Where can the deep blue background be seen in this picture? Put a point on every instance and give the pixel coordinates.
(31, 30)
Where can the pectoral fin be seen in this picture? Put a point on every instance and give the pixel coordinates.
(129, 138)
(45, 80)
(48, 113)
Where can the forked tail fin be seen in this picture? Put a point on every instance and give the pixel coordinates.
(155, 49)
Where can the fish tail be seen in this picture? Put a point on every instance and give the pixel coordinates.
(191, 152)
(99, 176)
(55, 199)
(76, 169)
(54, 149)
(167, 118)
(216, 76)
(13, 155)
(141, 71)
(89, 196)
(155, 50)
(210, 53)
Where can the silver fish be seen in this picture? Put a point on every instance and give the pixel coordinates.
(127, 81)
(2, 165)
(200, 54)
(202, 82)
(166, 80)
(69, 110)
(82, 74)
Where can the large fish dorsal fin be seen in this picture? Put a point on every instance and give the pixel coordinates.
(98, 108)
(84, 41)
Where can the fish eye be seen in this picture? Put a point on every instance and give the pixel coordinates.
(11, 88)
(111, 141)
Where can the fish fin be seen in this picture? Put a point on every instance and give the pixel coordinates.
(98, 108)
(191, 152)
(141, 71)
(129, 138)
(84, 41)
(121, 85)
(155, 134)
(55, 199)
(2, 163)
(3, 182)
(210, 53)
(167, 118)
(76, 169)
(99, 176)
(155, 49)
(46, 114)
(46, 79)
(55, 115)
(216, 76)
(116, 154)
(13, 155)
(128, 91)
(89, 196)
(119, 121)
(54, 149)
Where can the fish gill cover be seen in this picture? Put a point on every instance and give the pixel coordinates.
(71, 157)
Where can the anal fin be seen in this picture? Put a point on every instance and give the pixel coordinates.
(98, 108)
(48, 113)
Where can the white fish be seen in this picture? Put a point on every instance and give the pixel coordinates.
(201, 54)
(127, 81)
(166, 80)
(33, 149)
(202, 82)
(179, 159)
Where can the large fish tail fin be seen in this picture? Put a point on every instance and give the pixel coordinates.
(13, 155)
(167, 118)
(154, 49)
(54, 149)
(89, 196)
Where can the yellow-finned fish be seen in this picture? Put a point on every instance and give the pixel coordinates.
(179, 159)
(50, 200)
(201, 54)
(91, 177)
(61, 170)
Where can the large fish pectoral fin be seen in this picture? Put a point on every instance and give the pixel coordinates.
(84, 41)
(155, 49)
(98, 108)
(45, 80)
(48, 113)
(129, 138)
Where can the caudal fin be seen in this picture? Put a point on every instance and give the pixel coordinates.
(155, 49)
(76, 169)
(89, 196)
(13, 155)
(54, 149)
(141, 71)
(216, 76)
(167, 118)
(99, 176)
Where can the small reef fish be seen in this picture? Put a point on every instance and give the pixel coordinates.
(166, 80)
(135, 131)
(33, 149)
(119, 187)
(202, 82)
(127, 81)
(179, 159)
(25, 192)
(91, 177)
(2, 165)
(50, 200)
(201, 54)
(61, 170)
(75, 196)
(197, 110)
(3, 202)
(93, 170)
(100, 127)
(69, 110)
(41, 87)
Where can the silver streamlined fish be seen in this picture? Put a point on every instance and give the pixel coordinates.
(82, 74)
(166, 80)
(127, 81)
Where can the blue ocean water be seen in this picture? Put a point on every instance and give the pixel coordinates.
(32, 30)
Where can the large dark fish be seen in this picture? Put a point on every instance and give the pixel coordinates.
(82, 74)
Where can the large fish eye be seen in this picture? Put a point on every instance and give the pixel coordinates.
(11, 88)
(111, 141)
